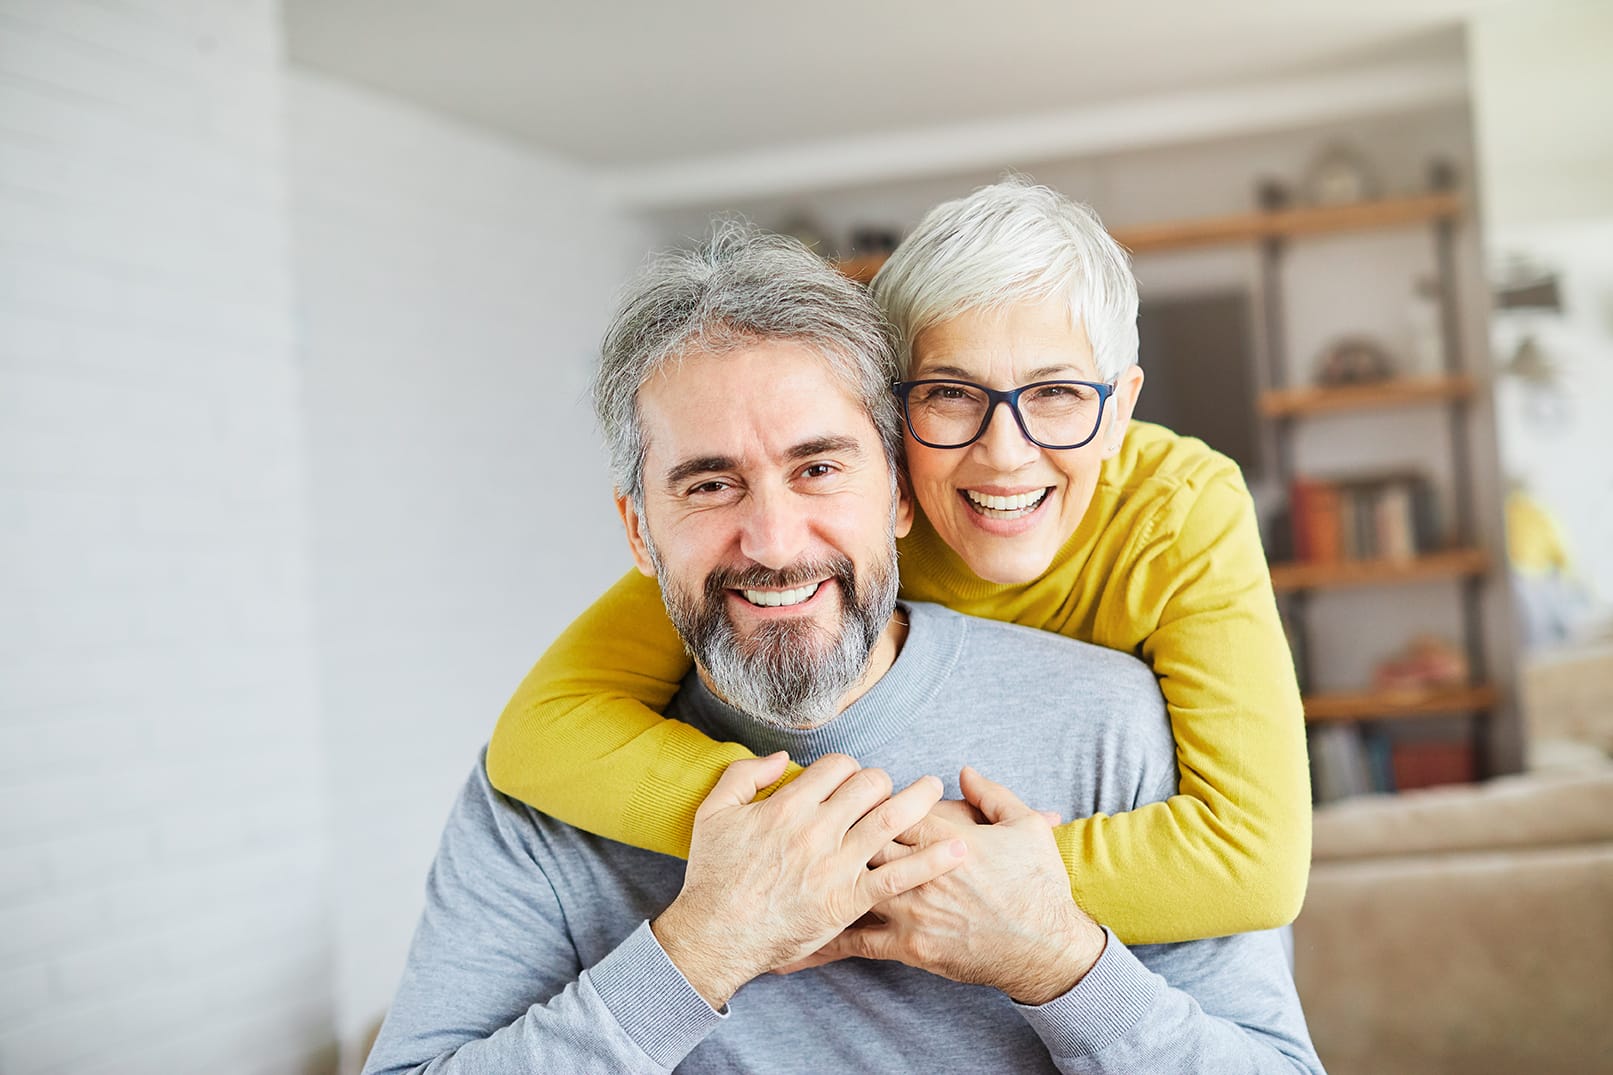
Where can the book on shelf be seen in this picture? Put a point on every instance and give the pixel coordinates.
(1391, 516)
(1350, 759)
(1427, 763)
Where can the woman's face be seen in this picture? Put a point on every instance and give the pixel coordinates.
(1004, 349)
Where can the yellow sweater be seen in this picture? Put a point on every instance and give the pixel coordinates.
(1166, 564)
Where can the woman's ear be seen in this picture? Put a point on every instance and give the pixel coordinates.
(637, 539)
(1128, 386)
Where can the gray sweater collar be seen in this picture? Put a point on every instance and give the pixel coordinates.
(934, 642)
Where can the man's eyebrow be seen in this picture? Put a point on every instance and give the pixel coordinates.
(827, 445)
(693, 468)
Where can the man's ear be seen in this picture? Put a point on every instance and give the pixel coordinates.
(1128, 386)
(636, 538)
(904, 503)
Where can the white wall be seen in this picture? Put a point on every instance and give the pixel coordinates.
(1542, 80)
(162, 902)
(452, 290)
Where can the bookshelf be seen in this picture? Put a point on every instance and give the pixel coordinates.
(1452, 558)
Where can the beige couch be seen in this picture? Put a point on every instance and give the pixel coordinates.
(1470, 930)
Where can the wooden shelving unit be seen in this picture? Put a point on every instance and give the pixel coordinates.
(1451, 563)
(1399, 704)
(1401, 392)
(1451, 392)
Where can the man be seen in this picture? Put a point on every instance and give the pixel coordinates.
(743, 393)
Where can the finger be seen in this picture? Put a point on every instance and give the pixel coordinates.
(929, 829)
(817, 781)
(743, 780)
(991, 798)
(1052, 817)
(895, 815)
(905, 874)
(958, 812)
(890, 853)
(861, 792)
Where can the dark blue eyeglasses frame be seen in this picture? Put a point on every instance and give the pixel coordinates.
(1011, 398)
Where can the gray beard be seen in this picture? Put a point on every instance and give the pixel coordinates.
(788, 674)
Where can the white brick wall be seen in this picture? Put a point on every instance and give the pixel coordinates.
(163, 879)
(452, 289)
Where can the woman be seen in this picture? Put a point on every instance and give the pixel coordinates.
(1041, 504)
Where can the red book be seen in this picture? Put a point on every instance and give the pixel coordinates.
(1429, 763)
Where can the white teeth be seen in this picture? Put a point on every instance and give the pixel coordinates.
(1017, 502)
(779, 598)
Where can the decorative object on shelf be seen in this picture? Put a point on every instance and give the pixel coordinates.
(874, 239)
(1340, 175)
(1354, 360)
(1527, 295)
(1442, 174)
(1273, 194)
(1426, 661)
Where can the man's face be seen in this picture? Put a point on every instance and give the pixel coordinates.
(770, 519)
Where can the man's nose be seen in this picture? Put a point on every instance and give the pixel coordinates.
(774, 532)
(1003, 445)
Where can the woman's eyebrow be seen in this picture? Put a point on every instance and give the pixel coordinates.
(1044, 373)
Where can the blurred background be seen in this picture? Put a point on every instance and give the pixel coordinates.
(298, 303)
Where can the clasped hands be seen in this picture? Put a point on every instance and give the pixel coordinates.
(836, 864)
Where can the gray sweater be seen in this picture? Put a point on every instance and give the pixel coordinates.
(534, 953)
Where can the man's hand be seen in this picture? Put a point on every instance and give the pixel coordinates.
(1005, 918)
(769, 882)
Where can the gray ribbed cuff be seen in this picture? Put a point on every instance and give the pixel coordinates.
(1116, 994)
(651, 999)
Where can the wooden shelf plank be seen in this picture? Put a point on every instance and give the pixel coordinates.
(1400, 392)
(1252, 227)
(1450, 563)
(1288, 223)
(1398, 704)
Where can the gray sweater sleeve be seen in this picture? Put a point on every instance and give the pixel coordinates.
(1229, 1007)
(493, 982)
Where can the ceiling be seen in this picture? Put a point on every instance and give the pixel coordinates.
(647, 82)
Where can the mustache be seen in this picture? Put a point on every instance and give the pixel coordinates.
(757, 577)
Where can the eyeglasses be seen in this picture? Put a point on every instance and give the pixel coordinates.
(954, 414)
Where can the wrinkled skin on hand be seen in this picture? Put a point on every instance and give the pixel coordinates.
(770, 882)
(1005, 918)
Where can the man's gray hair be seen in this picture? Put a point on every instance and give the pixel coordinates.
(742, 285)
(1013, 242)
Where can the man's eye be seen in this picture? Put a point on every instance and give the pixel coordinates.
(708, 488)
(818, 470)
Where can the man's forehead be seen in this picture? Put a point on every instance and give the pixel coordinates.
(767, 403)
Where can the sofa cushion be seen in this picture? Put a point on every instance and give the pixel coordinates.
(1527, 811)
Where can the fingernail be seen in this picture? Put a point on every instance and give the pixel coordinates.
(957, 848)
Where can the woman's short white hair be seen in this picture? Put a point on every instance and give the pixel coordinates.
(1010, 243)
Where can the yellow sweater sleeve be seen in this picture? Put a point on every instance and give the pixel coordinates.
(584, 741)
(1231, 851)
